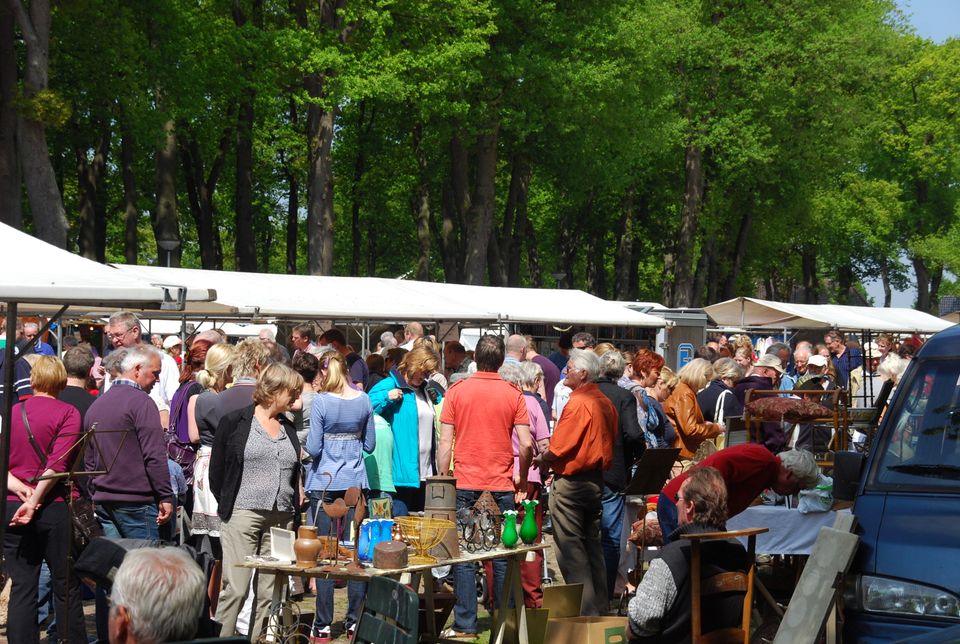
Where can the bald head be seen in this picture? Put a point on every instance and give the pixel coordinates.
(515, 346)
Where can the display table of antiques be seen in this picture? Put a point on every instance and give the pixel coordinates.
(409, 548)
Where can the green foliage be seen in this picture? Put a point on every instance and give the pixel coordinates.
(827, 126)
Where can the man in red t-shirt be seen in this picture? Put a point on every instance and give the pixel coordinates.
(482, 412)
(748, 470)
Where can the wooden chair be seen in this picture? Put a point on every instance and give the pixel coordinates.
(836, 421)
(726, 582)
(390, 614)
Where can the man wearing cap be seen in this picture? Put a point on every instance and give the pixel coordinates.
(173, 346)
(872, 382)
(765, 376)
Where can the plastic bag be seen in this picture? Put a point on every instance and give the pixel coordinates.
(819, 498)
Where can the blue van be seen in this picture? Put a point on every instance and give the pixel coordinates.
(905, 579)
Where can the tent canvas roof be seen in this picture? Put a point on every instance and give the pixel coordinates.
(753, 312)
(33, 272)
(372, 298)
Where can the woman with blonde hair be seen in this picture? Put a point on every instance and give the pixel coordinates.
(684, 411)
(43, 436)
(407, 400)
(341, 431)
(255, 478)
(216, 373)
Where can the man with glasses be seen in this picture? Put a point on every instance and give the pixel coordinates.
(123, 329)
(661, 609)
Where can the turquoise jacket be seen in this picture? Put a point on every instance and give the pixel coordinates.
(402, 416)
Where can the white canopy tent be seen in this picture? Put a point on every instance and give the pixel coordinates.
(531, 305)
(753, 312)
(36, 275)
(268, 295)
(262, 295)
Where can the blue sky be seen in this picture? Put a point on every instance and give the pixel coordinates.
(936, 20)
(933, 19)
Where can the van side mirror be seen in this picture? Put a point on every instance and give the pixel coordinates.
(847, 468)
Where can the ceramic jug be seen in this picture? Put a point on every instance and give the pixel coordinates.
(307, 546)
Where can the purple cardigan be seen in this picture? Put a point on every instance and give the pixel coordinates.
(56, 429)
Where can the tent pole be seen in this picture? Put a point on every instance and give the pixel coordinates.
(8, 394)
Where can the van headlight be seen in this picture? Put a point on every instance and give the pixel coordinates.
(895, 596)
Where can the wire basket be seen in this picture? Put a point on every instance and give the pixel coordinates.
(422, 534)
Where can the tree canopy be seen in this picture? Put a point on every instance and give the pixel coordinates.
(676, 150)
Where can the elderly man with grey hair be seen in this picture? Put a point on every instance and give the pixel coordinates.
(133, 497)
(157, 597)
(581, 449)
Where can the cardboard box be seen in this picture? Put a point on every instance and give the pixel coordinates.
(587, 630)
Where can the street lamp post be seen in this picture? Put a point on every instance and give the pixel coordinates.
(559, 277)
(169, 246)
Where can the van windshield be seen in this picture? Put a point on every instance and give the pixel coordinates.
(922, 445)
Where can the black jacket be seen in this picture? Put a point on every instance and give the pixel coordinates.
(708, 396)
(629, 442)
(226, 457)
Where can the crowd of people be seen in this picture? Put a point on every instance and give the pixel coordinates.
(213, 444)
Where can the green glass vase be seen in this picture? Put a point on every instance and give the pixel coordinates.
(509, 536)
(528, 529)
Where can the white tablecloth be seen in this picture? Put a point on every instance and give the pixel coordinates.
(791, 533)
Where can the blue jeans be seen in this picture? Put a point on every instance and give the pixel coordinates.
(356, 590)
(667, 516)
(611, 531)
(129, 520)
(45, 602)
(465, 575)
(122, 521)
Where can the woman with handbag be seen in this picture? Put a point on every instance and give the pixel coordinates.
(43, 437)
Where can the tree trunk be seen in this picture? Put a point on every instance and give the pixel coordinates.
(201, 190)
(505, 258)
(422, 204)
(707, 251)
(359, 167)
(739, 252)
(689, 219)
(456, 203)
(131, 210)
(533, 254)
(811, 285)
(89, 177)
(623, 263)
(10, 209)
(46, 205)
(293, 203)
(844, 283)
(479, 221)
(246, 247)
(320, 215)
(885, 279)
(521, 220)
(166, 226)
(928, 284)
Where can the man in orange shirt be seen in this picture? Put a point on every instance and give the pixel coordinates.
(581, 448)
(483, 412)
